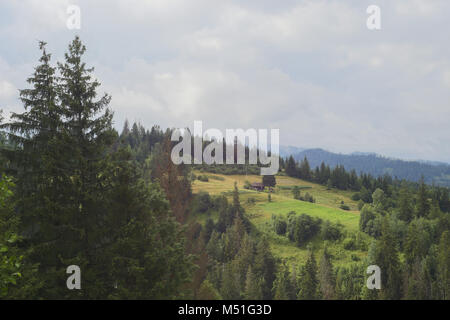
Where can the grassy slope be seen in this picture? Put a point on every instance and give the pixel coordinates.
(326, 207)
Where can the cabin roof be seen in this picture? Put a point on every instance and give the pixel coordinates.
(257, 184)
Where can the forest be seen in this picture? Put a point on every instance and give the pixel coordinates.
(75, 191)
(433, 172)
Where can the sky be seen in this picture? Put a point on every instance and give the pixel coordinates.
(309, 68)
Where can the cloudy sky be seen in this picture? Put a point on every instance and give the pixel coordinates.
(310, 68)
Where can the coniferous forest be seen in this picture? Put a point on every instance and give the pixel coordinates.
(75, 191)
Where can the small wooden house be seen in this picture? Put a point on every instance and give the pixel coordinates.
(258, 186)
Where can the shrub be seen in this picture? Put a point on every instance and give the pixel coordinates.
(296, 192)
(203, 178)
(302, 228)
(344, 207)
(279, 225)
(349, 244)
(204, 202)
(356, 196)
(331, 231)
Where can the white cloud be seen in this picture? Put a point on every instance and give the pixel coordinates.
(310, 68)
(7, 90)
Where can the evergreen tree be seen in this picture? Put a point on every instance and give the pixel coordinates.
(388, 261)
(143, 254)
(422, 206)
(230, 285)
(444, 266)
(282, 284)
(327, 282)
(405, 210)
(305, 170)
(39, 162)
(308, 282)
(291, 169)
(208, 292)
(253, 286)
(264, 267)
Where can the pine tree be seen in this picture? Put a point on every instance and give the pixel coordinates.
(291, 169)
(416, 283)
(282, 284)
(39, 160)
(388, 261)
(444, 266)
(305, 170)
(143, 255)
(264, 267)
(327, 282)
(87, 135)
(404, 205)
(230, 285)
(253, 286)
(208, 292)
(308, 282)
(422, 207)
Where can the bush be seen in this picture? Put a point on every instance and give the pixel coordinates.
(349, 244)
(204, 202)
(356, 197)
(309, 198)
(344, 207)
(279, 225)
(302, 228)
(203, 178)
(331, 231)
(296, 192)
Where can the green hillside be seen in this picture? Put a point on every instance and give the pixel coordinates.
(259, 211)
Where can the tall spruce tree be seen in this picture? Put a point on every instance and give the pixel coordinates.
(327, 281)
(308, 282)
(422, 206)
(282, 286)
(87, 133)
(405, 210)
(388, 260)
(39, 166)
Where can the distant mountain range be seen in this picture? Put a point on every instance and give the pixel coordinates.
(432, 171)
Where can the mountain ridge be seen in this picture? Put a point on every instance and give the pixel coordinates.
(434, 172)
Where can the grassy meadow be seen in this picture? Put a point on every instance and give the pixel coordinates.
(259, 211)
